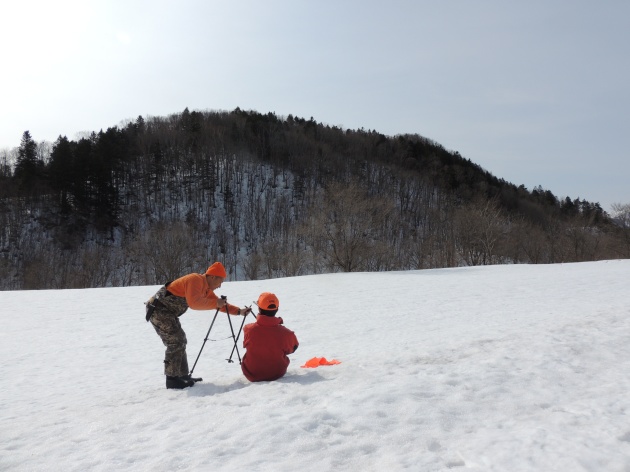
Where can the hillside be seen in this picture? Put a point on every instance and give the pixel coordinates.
(269, 196)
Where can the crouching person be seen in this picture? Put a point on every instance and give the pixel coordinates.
(267, 343)
(194, 291)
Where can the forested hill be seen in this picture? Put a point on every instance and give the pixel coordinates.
(269, 196)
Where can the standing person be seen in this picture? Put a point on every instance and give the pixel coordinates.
(267, 342)
(194, 291)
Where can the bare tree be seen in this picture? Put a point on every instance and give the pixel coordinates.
(582, 242)
(351, 222)
(530, 239)
(169, 251)
(271, 252)
(252, 265)
(621, 215)
(95, 267)
(555, 236)
(479, 227)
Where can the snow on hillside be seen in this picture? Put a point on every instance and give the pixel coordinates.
(502, 368)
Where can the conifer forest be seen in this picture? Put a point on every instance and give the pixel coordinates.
(270, 196)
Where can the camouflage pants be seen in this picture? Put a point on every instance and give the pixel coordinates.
(165, 320)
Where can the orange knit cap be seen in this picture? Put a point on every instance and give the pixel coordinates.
(268, 301)
(217, 269)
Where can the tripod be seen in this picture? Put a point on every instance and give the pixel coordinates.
(234, 338)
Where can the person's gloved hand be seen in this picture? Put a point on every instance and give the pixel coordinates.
(246, 311)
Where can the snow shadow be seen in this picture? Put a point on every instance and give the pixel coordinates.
(204, 389)
(307, 378)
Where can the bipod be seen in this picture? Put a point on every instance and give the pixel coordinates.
(206, 338)
(236, 340)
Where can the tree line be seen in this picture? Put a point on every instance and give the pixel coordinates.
(270, 196)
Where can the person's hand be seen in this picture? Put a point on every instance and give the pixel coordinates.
(246, 311)
(221, 302)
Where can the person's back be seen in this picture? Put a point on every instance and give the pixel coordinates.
(267, 343)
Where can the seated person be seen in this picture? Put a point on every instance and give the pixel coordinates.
(267, 343)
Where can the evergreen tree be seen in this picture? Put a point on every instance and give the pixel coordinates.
(62, 171)
(27, 169)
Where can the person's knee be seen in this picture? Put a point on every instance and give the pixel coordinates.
(174, 346)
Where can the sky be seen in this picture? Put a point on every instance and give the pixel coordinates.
(525, 370)
(534, 92)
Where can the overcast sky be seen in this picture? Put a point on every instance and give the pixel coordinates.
(535, 92)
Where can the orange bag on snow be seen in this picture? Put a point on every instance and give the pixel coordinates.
(317, 361)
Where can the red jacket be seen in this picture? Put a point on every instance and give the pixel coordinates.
(267, 343)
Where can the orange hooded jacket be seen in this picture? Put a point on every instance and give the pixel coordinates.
(195, 289)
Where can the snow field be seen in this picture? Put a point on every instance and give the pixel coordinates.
(520, 368)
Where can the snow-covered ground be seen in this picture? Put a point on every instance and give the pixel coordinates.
(503, 368)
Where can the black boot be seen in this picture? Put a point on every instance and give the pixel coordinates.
(194, 379)
(178, 382)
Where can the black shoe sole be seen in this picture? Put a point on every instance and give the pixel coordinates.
(179, 383)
